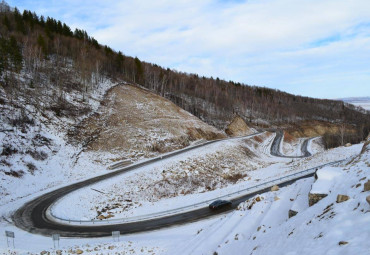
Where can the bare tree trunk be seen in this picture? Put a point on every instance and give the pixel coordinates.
(342, 131)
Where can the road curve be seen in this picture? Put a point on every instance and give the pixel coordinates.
(32, 216)
(275, 147)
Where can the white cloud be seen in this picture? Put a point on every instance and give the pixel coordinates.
(284, 44)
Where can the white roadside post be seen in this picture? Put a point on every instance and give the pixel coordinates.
(9, 234)
(56, 238)
(115, 235)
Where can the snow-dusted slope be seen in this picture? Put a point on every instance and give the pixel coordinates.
(36, 158)
(34, 152)
(327, 227)
(39, 148)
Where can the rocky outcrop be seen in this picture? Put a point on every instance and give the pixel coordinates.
(292, 213)
(275, 188)
(342, 198)
(238, 127)
(367, 186)
(368, 199)
(323, 185)
(103, 217)
(314, 198)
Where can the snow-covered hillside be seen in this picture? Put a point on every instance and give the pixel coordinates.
(262, 224)
(35, 153)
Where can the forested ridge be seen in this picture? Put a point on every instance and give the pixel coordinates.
(42, 47)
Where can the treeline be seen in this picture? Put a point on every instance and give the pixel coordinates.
(10, 55)
(213, 100)
(26, 22)
(335, 140)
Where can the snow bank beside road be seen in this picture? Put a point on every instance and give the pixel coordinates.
(326, 178)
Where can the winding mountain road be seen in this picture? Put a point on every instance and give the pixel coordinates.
(275, 146)
(33, 216)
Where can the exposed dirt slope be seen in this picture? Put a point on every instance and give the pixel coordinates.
(316, 128)
(135, 123)
(238, 127)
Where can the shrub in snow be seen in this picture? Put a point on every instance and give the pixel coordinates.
(13, 173)
(8, 150)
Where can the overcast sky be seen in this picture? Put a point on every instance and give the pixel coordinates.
(317, 48)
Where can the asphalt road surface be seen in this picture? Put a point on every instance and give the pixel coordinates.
(275, 147)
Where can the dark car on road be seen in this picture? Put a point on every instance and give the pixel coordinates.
(219, 204)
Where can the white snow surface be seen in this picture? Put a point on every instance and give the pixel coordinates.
(325, 179)
(293, 148)
(315, 145)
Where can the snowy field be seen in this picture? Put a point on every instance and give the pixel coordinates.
(224, 234)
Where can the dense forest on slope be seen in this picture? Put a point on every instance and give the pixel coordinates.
(42, 46)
